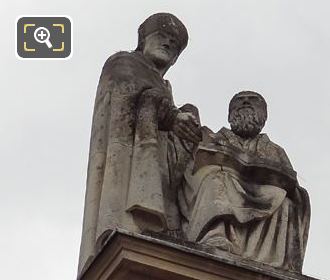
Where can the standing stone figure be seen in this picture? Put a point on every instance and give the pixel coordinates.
(137, 146)
(241, 193)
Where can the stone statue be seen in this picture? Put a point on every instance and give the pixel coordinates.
(241, 193)
(139, 140)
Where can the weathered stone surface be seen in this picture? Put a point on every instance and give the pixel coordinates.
(139, 257)
(241, 194)
(149, 172)
(136, 154)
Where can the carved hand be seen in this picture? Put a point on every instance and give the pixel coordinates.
(186, 126)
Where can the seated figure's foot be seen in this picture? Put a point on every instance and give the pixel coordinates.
(218, 242)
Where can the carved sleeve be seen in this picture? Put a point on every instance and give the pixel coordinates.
(167, 111)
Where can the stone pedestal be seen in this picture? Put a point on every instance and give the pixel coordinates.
(128, 256)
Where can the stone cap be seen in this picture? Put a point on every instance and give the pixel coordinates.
(141, 256)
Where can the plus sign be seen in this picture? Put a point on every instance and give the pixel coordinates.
(41, 34)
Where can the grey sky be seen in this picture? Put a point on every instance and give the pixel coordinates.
(278, 48)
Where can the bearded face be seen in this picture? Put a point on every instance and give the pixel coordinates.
(247, 115)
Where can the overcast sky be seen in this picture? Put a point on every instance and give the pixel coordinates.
(277, 48)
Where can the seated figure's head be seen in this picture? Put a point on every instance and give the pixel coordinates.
(247, 113)
(162, 37)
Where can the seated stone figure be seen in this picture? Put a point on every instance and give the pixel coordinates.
(241, 193)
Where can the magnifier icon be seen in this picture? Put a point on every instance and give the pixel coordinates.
(41, 35)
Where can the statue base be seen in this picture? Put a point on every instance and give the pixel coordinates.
(128, 256)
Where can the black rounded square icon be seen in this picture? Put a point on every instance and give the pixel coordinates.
(44, 37)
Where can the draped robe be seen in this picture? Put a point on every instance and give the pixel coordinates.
(265, 222)
(134, 161)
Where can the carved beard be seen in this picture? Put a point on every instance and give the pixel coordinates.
(247, 122)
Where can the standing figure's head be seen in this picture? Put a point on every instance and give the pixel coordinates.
(162, 37)
(247, 113)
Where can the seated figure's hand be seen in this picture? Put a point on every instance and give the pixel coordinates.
(186, 126)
